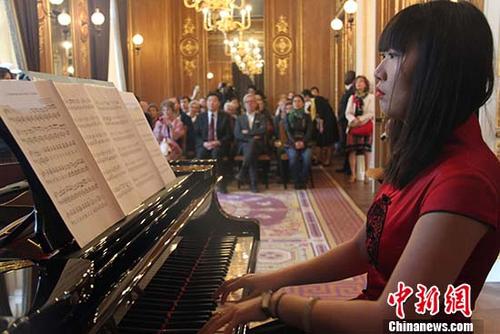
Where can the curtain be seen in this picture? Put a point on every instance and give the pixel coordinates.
(122, 17)
(27, 18)
(99, 42)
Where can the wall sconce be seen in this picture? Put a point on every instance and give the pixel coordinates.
(98, 19)
(210, 75)
(64, 19)
(350, 8)
(337, 25)
(137, 40)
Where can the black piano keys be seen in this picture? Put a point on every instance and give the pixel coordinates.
(179, 298)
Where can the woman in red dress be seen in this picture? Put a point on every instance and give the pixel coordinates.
(435, 221)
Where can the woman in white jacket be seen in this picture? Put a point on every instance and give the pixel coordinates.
(360, 113)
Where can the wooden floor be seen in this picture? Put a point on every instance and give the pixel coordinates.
(362, 193)
(487, 311)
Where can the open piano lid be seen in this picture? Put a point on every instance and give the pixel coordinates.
(62, 288)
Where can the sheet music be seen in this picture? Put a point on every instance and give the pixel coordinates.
(142, 126)
(127, 141)
(84, 114)
(44, 130)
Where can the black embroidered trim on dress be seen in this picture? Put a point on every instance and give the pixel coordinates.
(374, 225)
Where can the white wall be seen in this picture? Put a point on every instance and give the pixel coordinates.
(116, 70)
(366, 39)
(9, 36)
(488, 114)
(366, 46)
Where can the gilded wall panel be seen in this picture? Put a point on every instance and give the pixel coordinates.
(45, 36)
(80, 32)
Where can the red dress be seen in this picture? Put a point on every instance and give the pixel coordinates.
(466, 181)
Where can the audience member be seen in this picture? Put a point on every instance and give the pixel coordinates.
(169, 129)
(213, 136)
(5, 74)
(360, 113)
(249, 133)
(299, 129)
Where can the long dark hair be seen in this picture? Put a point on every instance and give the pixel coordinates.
(452, 79)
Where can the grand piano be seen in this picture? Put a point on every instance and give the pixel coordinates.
(153, 272)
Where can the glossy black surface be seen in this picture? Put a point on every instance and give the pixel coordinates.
(89, 298)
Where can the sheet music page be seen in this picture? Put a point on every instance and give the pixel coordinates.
(84, 114)
(144, 130)
(44, 130)
(127, 141)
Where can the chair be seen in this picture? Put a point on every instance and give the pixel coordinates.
(284, 171)
(264, 161)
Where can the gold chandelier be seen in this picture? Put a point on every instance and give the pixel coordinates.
(246, 54)
(219, 14)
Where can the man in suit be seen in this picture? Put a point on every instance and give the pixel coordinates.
(213, 136)
(249, 131)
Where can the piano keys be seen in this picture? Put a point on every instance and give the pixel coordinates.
(155, 271)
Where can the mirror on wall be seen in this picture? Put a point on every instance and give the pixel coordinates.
(222, 67)
(61, 37)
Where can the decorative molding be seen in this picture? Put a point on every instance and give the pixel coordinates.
(282, 45)
(188, 27)
(189, 66)
(282, 66)
(44, 37)
(282, 25)
(189, 47)
(81, 43)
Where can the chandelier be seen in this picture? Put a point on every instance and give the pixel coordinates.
(219, 14)
(246, 54)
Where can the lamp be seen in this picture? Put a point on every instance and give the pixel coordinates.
(56, 2)
(67, 45)
(64, 19)
(350, 6)
(220, 14)
(137, 40)
(97, 18)
(337, 24)
(246, 54)
(210, 75)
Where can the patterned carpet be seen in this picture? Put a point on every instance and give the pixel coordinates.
(298, 225)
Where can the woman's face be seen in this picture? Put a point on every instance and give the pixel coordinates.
(153, 111)
(361, 84)
(168, 113)
(297, 103)
(393, 78)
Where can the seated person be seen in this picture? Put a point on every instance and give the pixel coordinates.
(213, 136)
(299, 129)
(279, 126)
(249, 132)
(169, 129)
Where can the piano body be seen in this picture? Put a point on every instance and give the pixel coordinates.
(153, 272)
